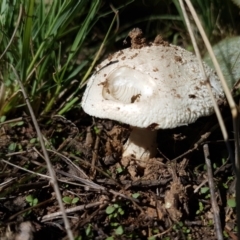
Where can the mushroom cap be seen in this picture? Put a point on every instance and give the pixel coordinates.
(157, 86)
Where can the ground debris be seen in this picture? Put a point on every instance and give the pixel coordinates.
(160, 197)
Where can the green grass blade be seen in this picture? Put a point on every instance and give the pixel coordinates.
(26, 40)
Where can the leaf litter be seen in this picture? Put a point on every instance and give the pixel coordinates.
(166, 205)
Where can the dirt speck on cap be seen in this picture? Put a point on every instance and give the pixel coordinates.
(137, 39)
(110, 56)
(159, 41)
(178, 59)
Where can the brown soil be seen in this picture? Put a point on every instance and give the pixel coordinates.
(86, 154)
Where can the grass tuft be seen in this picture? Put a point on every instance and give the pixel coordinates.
(41, 51)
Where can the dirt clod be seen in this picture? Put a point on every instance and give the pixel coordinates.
(137, 39)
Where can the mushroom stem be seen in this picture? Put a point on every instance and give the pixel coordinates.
(141, 143)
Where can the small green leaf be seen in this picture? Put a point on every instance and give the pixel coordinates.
(114, 224)
(78, 238)
(230, 178)
(29, 198)
(12, 147)
(231, 202)
(210, 222)
(119, 170)
(224, 160)
(225, 185)
(180, 224)
(19, 123)
(33, 140)
(2, 119)
(152, 238)
(88, 230)
(67, 200)
(225, 234)
(97, 130)
(201, 208)
(110, 238)
(204, 189)
(208, 196)
(35, 201)
(135, 195)
(174, 227)
(75, 200)
(110, 209)
(167, 238)
(121, 211)
(19, 146)
(119, 230)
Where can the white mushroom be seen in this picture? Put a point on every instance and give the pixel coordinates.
(154, 87)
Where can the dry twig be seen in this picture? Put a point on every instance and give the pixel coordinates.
(55, 215)
(233, 107)
(46, 157)
(215, 207)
